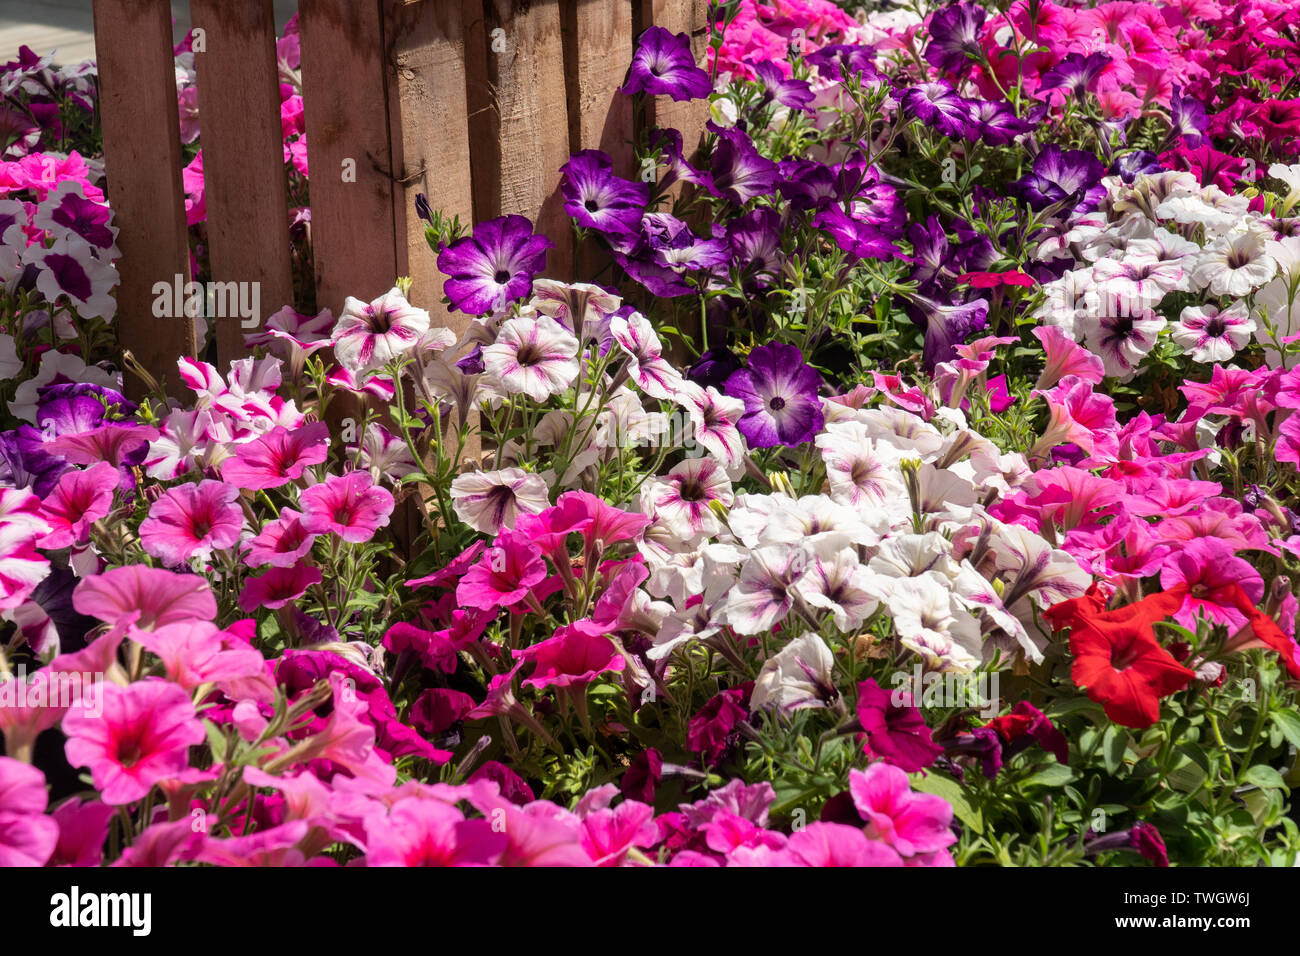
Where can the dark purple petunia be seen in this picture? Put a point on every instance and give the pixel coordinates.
(955, 38)
(995, 122)
(874, 201)
(659, 280)
(780, 395)
(494, 266)
(982, 743)
(739, 171)
(937, 104)
(946, 326)
(1060, 176)
(756, 246)
(714, 367)
(791, 93)
(422, 210)
(472, 362)
(860, 240)
(975, 252)
(597, 199)
(87, 219)
(663, 65)
(1077, 74)
(1134, 163)
(1188, 118)
(668, 144)
(807, 184)
(673, 245)
(54, 596)
(25, 464)
(842, 60)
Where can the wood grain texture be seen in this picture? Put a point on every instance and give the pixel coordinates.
(431, 152)
(597, 50)
(525, 138)
(345, 109)
(142, 154)
(245, 183)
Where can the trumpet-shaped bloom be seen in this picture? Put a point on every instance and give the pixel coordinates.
(193, 521)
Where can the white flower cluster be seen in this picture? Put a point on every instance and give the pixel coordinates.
(1166, 233)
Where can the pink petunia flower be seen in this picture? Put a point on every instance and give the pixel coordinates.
(146, 598)
(1210, 568)
(194, 653)
(570, 659)
(281, 543)
(193, 521)
(142, 737)
(1065, 357)
(278, 457)
(912, 823)
(837, 844)
(504, 575)
(79, 500)
(83, 828)
(428, 832)
(350, 505)
(27, 836)
(277, 587)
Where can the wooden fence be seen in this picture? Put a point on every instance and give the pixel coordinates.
(476, 103)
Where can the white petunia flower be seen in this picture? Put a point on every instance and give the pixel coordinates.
(532, 354)
(488, 501)
(800, 675)
(1209, 335)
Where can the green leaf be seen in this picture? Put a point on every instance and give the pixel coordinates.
(1114, 744)
(1287, 721)
(1265, 777)
(1055, 775)
(944, 786)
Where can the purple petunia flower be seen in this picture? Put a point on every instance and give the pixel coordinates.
(955, 38)
(674, 246)
(494, 266)
(597, 199)
(1077, 74)
(841, 60)
(946, 326)
(714, 367)
(860, 240)
(780, 395)
(756, 245)
(789, 92)
(1133, 164)
(25, 464)
(937, 104)
(739, 171)
(932, 260)
(1060, 176)
(663, 65)
(68, 408)
(668, 144)
(1188, 118)
(806, 184)
(995, 122)
(872, 200)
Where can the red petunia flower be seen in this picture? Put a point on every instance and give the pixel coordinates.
(1117, 658)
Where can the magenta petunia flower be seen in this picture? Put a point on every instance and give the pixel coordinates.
(277, 587)
(570, 659)
(278, 457)
(350, 505)
(146, 598)
(505, 574)
(281, 542)
(79, 500)
(142, 737)
(895, 731)
(428, 832)
(193, 520)
(1210, 568)
(911, 823)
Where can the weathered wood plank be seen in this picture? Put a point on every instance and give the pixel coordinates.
(597, 50)
(243, 158)
(142, 151)
(345, 109)
(525, 140)
(431, 150)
